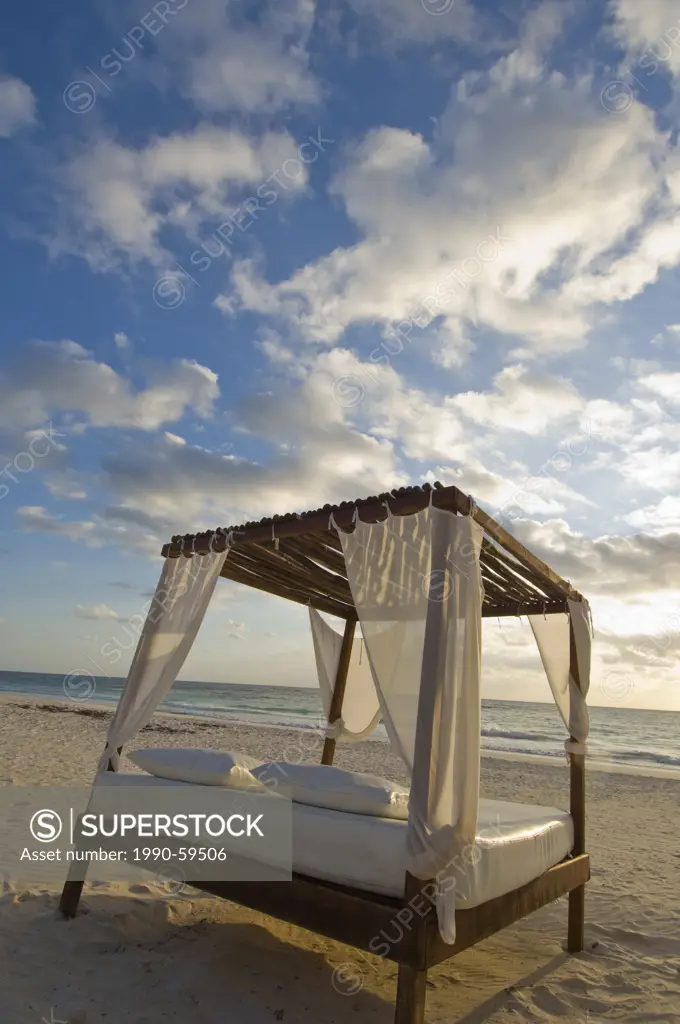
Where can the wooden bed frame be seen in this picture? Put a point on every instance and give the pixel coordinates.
(368, 921)
(354, 916)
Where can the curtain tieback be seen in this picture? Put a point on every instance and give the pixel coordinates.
(334, 730)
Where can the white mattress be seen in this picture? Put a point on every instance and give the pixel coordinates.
(515, 844)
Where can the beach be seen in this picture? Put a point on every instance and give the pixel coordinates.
(139, 953)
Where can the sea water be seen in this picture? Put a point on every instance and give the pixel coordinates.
(622, 737)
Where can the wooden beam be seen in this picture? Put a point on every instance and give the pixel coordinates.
(73, 887)
(370, 511)
(577, 809)
(373, 510)
(312, 572)
(368, 921)
(339, 688)
(522, 554)
(347, 915)
(474, 925)
(492, 611)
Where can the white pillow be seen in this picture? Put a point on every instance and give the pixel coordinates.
(336, 788)
(204, 767)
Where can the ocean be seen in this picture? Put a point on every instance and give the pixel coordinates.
(619, 737)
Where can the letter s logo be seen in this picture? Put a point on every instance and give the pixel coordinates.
(46, 826)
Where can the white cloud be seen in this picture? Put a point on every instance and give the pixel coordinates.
(118, 200)
(251, 70)
(403, 23)
(652, 28)
(532, 206)
(665, 385)
(121, 340)
(99, 612)
(661, 518)
(611, 566)
(65, 377)
(235, 630)
(67, 485)
(315, 458)
(17, 105)
(226, 58)
(35, 518)
(521, 400)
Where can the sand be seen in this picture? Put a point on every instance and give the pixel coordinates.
(137, 953)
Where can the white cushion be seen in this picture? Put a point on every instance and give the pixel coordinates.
(336, 788)
(204, 767)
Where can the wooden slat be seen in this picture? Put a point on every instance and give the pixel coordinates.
(284, 568)
(308, 566)
(358, 918)
(288, 575)
(342, 610)
(522, 554)
(314, 601)
(315, 547)
(517, 579)
(450, 498)
(474, 925)
(338, 912)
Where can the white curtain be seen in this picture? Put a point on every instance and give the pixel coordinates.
(417, 587)
(552, 637)
(360, 707)
(176, 613)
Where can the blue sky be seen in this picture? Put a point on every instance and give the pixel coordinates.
(257, 257)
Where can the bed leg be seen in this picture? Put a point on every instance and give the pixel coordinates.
(410, 996)
(576, 938)
(70, 897)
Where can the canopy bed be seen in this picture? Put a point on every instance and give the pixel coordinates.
(417, 569)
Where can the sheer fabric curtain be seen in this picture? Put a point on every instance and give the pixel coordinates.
(417, 587)
(175, 615)
(360, 706)
(552, 638)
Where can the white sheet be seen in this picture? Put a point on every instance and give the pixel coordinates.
(515, 843)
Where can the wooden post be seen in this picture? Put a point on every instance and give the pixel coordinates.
(411, 988)
(577, 809)
(339, 688)
(73, 887)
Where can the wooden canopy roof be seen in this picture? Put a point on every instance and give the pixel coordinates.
(298, 557)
